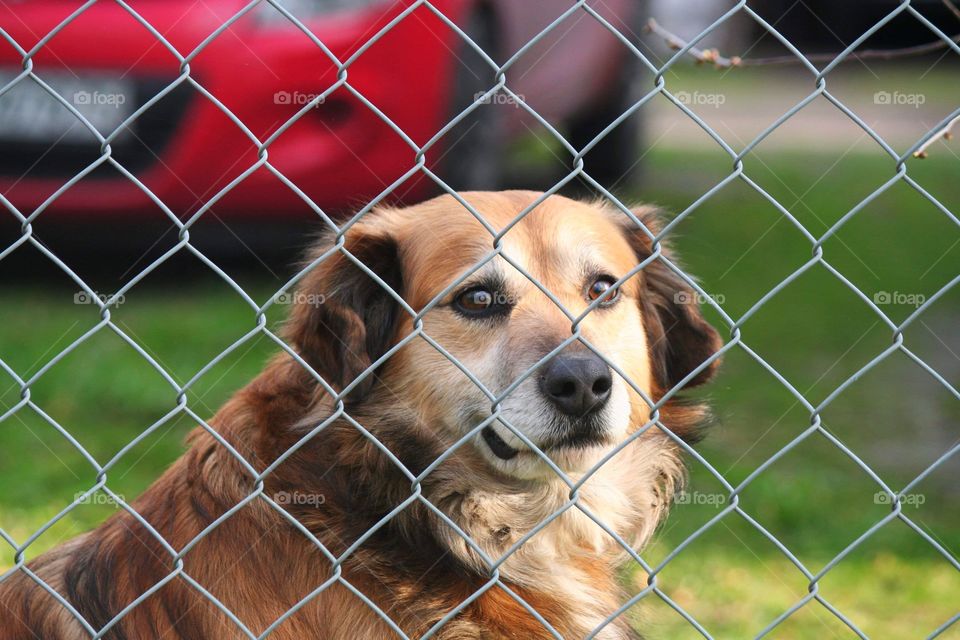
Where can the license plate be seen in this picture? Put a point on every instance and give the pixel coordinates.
(29, 114)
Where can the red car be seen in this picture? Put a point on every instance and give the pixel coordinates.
(196, 136)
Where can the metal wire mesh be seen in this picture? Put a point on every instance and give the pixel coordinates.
(419, 153)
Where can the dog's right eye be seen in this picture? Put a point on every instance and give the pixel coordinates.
(481, 302)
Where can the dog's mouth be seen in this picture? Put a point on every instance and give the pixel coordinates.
(497, 444)
(581, 440)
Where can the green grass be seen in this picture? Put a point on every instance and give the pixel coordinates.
(816, 332)
(104, 393)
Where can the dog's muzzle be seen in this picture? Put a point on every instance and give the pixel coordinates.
(577, 384)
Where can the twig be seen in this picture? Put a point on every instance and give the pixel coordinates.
(700, 55)
(946, 133)
(713, 56)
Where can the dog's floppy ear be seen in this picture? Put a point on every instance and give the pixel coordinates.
(679, 339)
(343, 320)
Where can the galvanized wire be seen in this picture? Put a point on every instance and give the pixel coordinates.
(419, 153)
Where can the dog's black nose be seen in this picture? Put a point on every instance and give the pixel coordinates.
(578, 384)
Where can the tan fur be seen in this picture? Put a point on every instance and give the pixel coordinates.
(418, 405)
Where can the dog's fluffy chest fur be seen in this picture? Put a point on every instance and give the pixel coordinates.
(562, 542)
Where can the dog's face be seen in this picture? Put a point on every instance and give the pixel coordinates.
(562, 380)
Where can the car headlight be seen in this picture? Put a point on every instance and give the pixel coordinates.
(306, 10)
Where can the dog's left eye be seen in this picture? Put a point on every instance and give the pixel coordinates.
(480, 301)
(601, 286)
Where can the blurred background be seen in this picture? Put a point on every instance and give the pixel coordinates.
(216, 149)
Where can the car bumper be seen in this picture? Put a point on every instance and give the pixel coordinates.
(340, 151)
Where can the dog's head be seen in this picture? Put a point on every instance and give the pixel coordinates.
(505, 315)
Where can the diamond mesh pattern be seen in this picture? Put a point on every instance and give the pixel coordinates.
(418, 165)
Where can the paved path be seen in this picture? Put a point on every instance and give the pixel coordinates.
(900, 116)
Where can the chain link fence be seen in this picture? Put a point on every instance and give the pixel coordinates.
(419, 154)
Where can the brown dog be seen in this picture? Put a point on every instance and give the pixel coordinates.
(331, 483)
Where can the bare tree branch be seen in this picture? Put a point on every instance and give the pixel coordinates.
(713, 56)
(946, 133)
(700, 55)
